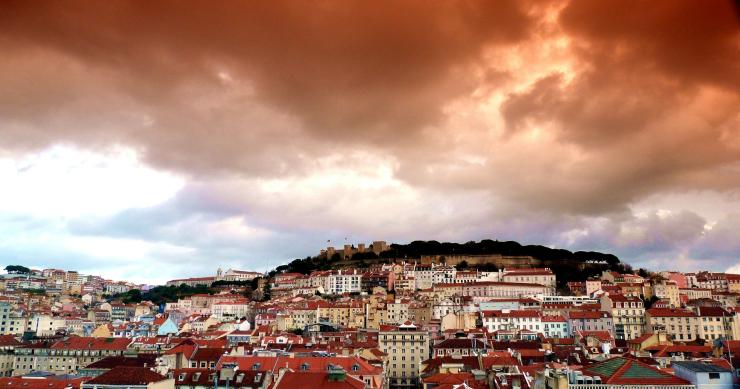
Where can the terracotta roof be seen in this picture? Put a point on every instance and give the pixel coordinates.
(318, 380)
(516, 345)
(207, 354)
(622, 298)
(89, 343)
(9, 340)
(40, 382)
(588, 315)
(712, 311)
(211, 343)
(600, 335)
(670, 312)
(461, 343)
(185, 348)
(626, 371)
(553, 318)
(666, 350)
(141, 360)
(312, 363)
(498, 359)
(443, 380)
(640, 338)
(469, 362)
(204, 378)
(125, 375)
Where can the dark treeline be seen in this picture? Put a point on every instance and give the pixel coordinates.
(416, 249)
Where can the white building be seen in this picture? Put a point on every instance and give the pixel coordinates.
(505, 319)
(345, 282)
(228, 310)
(703, 375)
(555, 326)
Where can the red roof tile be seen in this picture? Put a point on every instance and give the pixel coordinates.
(89, 343)
(125, 375)
(40, 382)
(318, 380)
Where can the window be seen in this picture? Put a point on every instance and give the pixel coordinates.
(713, 376)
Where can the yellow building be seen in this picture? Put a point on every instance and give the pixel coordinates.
(405, 346)
(680, 324)
(668, 290)
(628, 314)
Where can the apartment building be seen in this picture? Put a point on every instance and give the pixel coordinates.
(491, 289)
(67, 356)
(507, 320)
(345, 281)
(555, 326)
(679, 324)
(541, 276)
(668, 290)
(628, 313)
(406, 346)
(590, 321)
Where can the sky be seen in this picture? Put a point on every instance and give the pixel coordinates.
(152, 140)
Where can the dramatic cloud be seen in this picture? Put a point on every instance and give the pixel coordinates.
(246, 133)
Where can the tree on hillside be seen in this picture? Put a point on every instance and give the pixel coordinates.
(462, 265)
(648, 303)
(17, 269)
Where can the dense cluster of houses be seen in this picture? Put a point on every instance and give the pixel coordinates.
(394, 325)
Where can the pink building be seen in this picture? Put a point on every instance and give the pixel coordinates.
(678, 277)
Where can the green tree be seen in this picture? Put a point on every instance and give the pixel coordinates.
(17, 269)
(266, 292)
(649, 302)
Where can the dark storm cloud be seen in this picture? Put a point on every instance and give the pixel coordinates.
(345, 70)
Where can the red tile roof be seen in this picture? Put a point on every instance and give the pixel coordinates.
(627, 371)
(8, 341)
(89, 343)
(588, 315)
(204, 378)
(295, 363)
(712, 311)
(442, 380)
(670, 312)
(553, 318)
(318, 380)
(40, 382)
(469, 362)
(603, 336)
(141, 360)
(207, 354)
(460, 343)
(125, 375)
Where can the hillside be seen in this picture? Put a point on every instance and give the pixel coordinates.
(485, 255)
